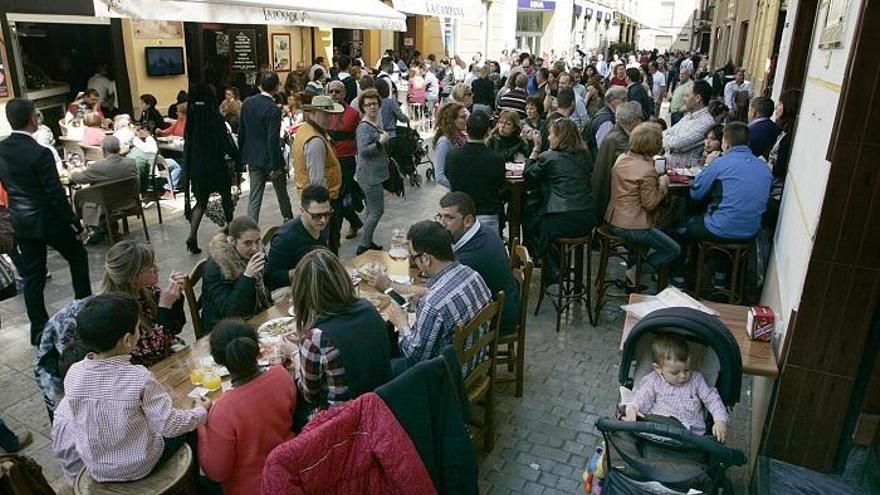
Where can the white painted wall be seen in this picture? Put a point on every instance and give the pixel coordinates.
(808, 169)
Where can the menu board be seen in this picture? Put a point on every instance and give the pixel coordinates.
(243, 51)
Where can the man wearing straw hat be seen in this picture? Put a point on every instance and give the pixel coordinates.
(314, 161)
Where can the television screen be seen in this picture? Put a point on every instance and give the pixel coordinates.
(164, 61)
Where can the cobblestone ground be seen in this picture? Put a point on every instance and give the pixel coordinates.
(544, 439)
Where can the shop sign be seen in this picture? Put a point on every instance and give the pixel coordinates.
(537, 4)
(244, 49)
(440, 8)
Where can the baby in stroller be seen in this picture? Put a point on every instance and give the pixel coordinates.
(673, 389)
(690, 363)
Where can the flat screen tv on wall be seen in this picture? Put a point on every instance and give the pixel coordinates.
(165, 61)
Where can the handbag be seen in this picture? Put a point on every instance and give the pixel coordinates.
(7, 279)
(214, 208)
(7, 231)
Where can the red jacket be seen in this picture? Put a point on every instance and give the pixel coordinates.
(357, 447)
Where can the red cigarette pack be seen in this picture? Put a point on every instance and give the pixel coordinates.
(761, 321)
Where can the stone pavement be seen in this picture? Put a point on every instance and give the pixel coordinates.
(544, 439)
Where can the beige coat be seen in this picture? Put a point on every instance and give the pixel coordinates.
(635, 193)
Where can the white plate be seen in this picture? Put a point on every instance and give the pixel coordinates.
(277, 326)
(400, 279)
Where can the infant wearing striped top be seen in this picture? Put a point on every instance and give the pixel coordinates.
(673, 390)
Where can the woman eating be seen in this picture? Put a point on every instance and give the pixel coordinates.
(345, 350)
(237, 439)
(562, 175)
(636, 192)
(450, 133)
(233, 282)
(372, 165)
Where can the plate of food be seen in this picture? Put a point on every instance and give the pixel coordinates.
(277, 327)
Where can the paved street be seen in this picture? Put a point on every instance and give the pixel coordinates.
(544, 439)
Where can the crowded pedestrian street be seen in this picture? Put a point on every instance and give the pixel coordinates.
(455, 247)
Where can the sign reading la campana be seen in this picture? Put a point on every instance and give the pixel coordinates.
(537, 4)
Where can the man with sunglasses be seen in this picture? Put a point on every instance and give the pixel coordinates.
(455, 294)
(297, 237)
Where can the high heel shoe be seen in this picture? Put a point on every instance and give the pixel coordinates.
(192, 245)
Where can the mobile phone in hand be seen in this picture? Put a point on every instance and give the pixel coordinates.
(396, 297)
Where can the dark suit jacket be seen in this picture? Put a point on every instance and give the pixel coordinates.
(635, 92)
(762, 136)
(114, 167)
(259, 133)
(37, 201)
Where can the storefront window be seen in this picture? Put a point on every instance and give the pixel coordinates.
(529, 30)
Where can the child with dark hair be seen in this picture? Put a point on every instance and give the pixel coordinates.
(118, 418)
(234, 444)
(673, 389)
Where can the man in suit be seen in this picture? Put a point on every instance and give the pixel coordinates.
(40, 212)
(762, 131)
(636, 92)
(259, 138)
(113, 167)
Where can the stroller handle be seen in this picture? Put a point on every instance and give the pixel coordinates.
(730, 456)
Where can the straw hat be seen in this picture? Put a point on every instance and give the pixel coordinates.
(323, 104)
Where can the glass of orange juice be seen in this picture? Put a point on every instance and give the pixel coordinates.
(211, 380)
(195, 375)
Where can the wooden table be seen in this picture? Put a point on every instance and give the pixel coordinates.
(517, 188)
(758, 360)
(757, 356)
(173, 371)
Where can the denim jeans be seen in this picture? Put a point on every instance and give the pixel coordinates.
(491, 222)
(257, 178)
(375, 199)
(174, 171)
(662, 248)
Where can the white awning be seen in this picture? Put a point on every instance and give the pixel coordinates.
(441, 8)
(346, 14)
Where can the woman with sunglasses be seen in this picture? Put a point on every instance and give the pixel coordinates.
(450, 133)
(372, 165)
(507, 137)
(233, 282)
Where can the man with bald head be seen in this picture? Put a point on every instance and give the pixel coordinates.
(342, 130)
(676, 106)
(113, 167)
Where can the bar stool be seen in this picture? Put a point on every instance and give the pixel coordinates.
(571, 282)
(736, 254)
(175, 475)
(612, 246)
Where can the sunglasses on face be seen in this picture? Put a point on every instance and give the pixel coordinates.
(320, 215)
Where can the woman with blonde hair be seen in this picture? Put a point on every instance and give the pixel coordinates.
(129, 268)
(636, 192)
(449, 133)
(345, 351)
(507, 137)
(561, 176)
(93, 134)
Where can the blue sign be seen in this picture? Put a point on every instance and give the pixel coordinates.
(537, 4)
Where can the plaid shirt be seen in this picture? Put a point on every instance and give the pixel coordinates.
(683, 402)
(455, 295)
(684, 140)
(320, 376)
(118, 413)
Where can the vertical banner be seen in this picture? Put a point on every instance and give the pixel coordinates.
(243, 50)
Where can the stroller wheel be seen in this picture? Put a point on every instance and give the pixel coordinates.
(415, 180)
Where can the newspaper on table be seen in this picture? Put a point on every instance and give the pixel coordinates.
(670, 297)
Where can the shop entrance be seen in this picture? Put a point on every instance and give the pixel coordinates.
(348, 42)
(224, 55)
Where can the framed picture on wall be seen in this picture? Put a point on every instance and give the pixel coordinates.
(281, 52)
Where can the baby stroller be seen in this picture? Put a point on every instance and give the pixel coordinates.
(409, 150)
(659, 456)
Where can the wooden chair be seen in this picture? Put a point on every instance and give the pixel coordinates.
(571, 288)
(736, 254)
(268, 234)
(195, 302)
(92, 153)
(514, 356)
(610, 247)
(173, 476)
(477, 353)
(118, 200)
